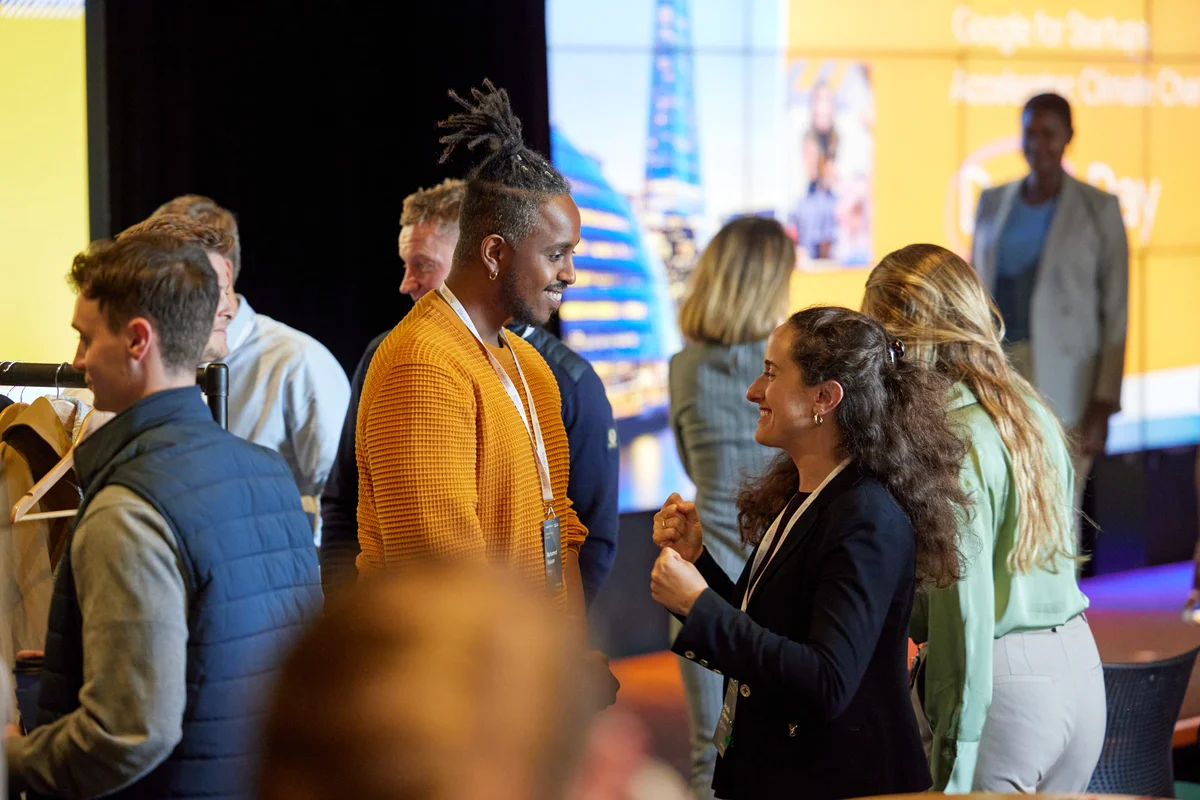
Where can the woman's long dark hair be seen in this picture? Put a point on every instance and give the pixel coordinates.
(894, 425)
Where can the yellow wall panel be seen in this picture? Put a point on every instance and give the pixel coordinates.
(43, 182)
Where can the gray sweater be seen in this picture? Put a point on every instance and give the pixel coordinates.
(714, 428)
(134, 605)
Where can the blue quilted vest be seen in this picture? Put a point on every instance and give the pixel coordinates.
(250, 569)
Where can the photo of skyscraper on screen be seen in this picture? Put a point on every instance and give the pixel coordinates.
(672, 207)
(651, 123)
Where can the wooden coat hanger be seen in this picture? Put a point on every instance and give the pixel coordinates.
(20, 512)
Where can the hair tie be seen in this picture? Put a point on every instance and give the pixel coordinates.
(895, 350)
(511, 147)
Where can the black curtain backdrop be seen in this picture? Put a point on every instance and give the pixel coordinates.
(311, 120)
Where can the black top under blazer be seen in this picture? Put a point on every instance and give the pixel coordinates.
(823, 710)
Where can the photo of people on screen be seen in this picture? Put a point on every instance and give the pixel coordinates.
(831, 112)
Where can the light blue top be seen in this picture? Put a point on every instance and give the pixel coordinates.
(1018, 251)
(287, 393)
(817, 217)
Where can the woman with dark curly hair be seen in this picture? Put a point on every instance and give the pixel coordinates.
(862, 506)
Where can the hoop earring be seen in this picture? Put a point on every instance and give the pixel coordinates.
(492, 275)
(818, 420)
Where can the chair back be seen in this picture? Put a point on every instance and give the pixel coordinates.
(1143, 707)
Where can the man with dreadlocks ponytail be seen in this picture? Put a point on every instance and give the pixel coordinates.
(461, 448)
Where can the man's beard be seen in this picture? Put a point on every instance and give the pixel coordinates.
(515, 305)
(215, 351)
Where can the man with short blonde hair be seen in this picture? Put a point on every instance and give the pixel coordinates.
(439, 204)
(428, 233)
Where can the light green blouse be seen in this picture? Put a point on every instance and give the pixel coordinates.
(959, 624)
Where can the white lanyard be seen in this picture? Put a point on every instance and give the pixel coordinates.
(764, 546)
(532, 427)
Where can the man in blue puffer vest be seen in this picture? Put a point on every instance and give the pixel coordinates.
(191, 567)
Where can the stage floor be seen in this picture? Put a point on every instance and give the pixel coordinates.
(1135, 617)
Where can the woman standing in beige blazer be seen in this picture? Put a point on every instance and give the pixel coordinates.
(1052, 252)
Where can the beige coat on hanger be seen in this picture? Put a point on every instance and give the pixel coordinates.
(29, 550)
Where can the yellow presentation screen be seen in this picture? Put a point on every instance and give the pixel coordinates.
(863, 126)
(43, 174)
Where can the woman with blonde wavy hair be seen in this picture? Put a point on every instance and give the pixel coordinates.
(1009, 678)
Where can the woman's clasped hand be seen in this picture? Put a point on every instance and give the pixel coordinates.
(675, 583)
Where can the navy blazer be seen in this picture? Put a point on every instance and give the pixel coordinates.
(823, 709)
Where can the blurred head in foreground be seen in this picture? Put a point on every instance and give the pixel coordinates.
(447, 681)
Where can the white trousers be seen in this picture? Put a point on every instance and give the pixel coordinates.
(1045, 727)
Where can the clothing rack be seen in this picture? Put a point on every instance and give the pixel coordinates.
(213, 380)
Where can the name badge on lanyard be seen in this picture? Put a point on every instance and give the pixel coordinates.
(723, 735)
(551, 530)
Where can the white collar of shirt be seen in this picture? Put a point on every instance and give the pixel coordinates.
(242, 325)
